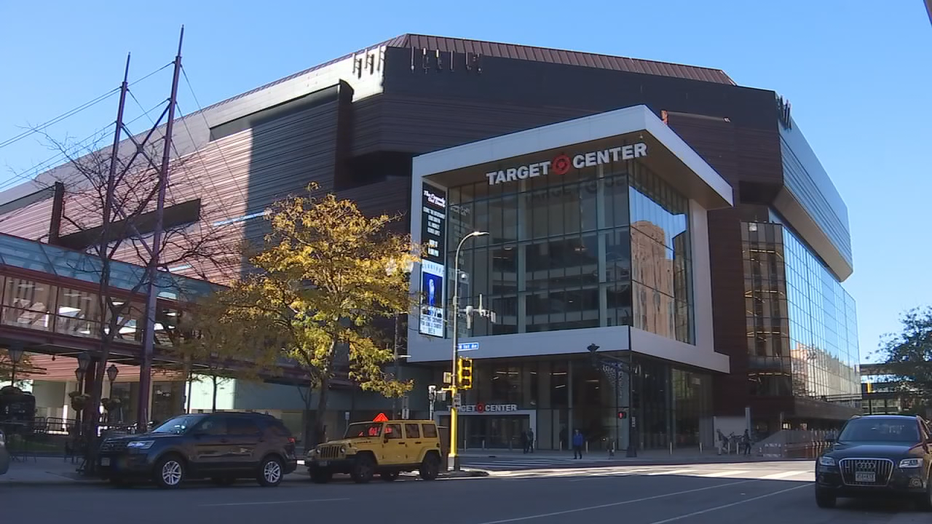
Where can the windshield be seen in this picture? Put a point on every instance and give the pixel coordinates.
(364, 430)
(178, 425)
(880, 430)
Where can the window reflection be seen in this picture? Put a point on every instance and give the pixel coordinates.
(802, 328)
(560, 256)
(26, 304)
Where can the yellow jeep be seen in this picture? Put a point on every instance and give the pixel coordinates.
(387, 448)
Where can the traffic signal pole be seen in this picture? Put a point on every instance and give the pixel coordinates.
(453, 461)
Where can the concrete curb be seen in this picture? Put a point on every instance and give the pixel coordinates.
(466, 473)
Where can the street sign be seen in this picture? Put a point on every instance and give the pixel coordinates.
(457, 400)
(467, 346)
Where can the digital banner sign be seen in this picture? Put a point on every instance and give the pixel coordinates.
(433, 270)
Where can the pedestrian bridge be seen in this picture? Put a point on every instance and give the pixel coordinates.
(50, 303)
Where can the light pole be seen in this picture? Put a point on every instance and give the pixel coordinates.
(112, 373)
(629, 368)
(84, 360)
(454, 460)
(16, 354)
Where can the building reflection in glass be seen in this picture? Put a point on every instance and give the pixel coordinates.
(602, 246)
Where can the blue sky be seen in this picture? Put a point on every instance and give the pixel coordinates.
(857, 72)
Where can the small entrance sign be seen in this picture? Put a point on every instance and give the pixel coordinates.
(488, 408)
(467, 346)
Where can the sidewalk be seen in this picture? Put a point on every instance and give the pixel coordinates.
(54, 471)
(659, 457)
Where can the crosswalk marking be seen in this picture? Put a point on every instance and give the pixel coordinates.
(783, 475)
(674, 472)
(724, 473)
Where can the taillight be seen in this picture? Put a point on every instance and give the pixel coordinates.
(291, 440)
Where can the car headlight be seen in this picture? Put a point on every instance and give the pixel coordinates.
(826, 461)
(911, 463)
(140, 444)
(343, 449)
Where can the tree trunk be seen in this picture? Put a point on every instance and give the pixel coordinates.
(213, 407)
(319, 427)
(308, 429)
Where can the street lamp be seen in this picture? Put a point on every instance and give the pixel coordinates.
(112, 373)
(84, 360)
(16, 354)
(454, 460)
(631, 370)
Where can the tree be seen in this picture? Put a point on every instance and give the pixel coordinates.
(324, 276)
(23, 368)
(214, 345)
(908, 355)
(109, 214)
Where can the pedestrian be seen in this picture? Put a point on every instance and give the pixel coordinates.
(577, 444)
(530, 440)
(746, 442)
(524, 441)
(564, 439)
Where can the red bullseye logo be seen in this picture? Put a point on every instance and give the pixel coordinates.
(561, 165)
(480, 407)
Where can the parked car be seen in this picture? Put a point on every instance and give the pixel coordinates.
(4, 455)
(877, 455)
(220, 446)
(384, 448)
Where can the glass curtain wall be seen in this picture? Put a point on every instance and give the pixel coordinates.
(802, 324)
(560, 250)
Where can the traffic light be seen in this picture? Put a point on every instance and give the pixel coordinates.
(622, 415)
(464, 373)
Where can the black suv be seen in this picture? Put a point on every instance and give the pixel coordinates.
(221, 446)
(882, 455)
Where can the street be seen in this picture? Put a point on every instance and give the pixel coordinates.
(766, 492)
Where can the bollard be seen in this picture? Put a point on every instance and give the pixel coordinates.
(483, 443)
(671, 448)
(587, 446)
(700, 447)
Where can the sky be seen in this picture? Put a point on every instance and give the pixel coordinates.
(857, 73)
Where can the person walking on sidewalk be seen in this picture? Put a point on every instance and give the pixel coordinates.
(746, 442)
(524, 441)
(578, 442)
(530, 440)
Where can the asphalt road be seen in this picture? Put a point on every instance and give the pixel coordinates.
(765, 493)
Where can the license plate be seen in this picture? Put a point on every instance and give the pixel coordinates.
(868, 477)
(323, 463)
(105, 461)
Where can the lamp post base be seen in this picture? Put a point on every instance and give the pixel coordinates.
(453, 463)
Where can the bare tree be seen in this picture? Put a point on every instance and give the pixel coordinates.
(109, 214)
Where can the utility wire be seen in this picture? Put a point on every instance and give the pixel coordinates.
(74, 111)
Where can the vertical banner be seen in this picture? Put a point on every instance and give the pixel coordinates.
(433, 238)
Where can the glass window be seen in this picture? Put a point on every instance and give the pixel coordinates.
(214, 425)
(393, 431)
(242, 426)
(78, 313)
(412, 431)
(430, 430)
(27, 303)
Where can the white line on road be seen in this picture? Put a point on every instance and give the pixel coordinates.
(264, 503)
(783, 475)
(724, 473)
(616, 504)
(608, 474)
(752, 499)
(674, 472)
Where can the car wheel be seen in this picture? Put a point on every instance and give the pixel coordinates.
(430, 467)
(270, 472)
(363, 469)
(389, 476)
(224, 481)
(169, 472)
(925, 502)
(824, 499)
(321, 476)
